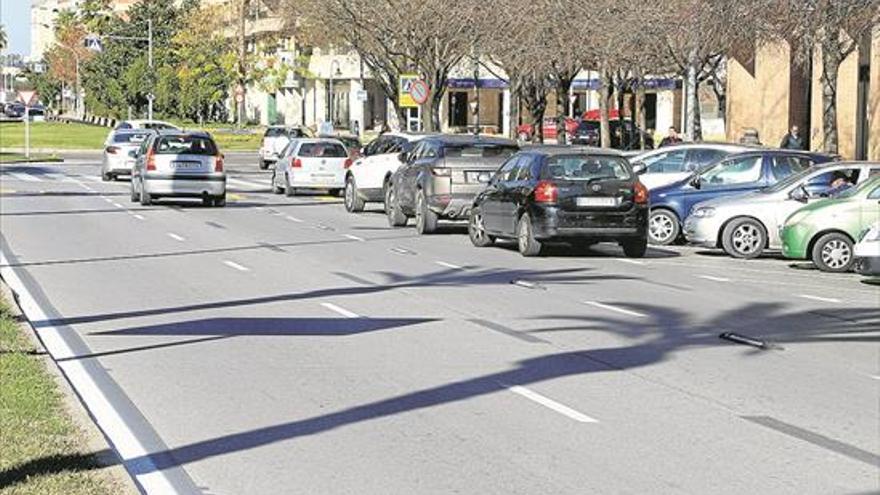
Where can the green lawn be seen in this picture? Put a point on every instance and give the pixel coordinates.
(58, 136)
(42, 452)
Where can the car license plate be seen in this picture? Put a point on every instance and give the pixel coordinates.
(603, 202)
(185, 165)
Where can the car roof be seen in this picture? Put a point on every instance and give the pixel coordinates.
(182, 132)
(466, 139)
(561, 149)
(318, 140)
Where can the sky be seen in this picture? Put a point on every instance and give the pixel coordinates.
(15, 15)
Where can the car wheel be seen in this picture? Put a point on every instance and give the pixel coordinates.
(264, 165)
(288, 189)
(663, 227)
(275, 187)
(525, 236)
(396, 218)
(477, 230)
(106, 177)
(833, 253)
(146, 199)
(353, 202)
(744, 238)
(426, 219)
(220, 201)
(635, 248)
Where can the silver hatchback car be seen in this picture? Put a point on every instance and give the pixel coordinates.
(179, 164)
(745, 225)
(117, 159)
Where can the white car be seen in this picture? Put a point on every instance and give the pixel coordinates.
(366, 179)
(867, 252)
(156, 125)
(311, 163)
(117, 159)
(275, 140)
(671, 164)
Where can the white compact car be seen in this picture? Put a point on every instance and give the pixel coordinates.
(312, 163)
(117, 159)
(867, 252)
(670, 164)
(366, 179)
(275, 140)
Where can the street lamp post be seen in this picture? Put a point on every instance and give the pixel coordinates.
(333, 63)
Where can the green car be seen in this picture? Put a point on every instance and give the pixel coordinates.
(826, 230)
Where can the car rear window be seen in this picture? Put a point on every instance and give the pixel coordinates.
(185, 145)
(585, 167)
(486, 151)
(281, 131)
(322, 150)
(130, 137)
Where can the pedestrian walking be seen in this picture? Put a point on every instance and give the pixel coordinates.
(671, 138)
(793, 140)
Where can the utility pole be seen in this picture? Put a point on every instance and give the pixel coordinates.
(476, 94)
(151, 96)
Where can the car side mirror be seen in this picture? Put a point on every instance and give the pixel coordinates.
(696, 182)
(362, 151)
(799, 194)
(403, 157)
(639, 168)
(133, 153)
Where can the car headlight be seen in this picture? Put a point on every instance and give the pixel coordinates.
(704, 212)
(871, 234)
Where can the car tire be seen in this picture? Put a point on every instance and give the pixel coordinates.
(220, 201)
(477, 230)
(276, 189)
(833, 253)
(146, 199)
(288, 189)
(525, 237)
(744, 238)
(663, 227)
(426, 219)
(396, 218)
(106, 177)
(635, 248)
(264, 165)
(353, 202)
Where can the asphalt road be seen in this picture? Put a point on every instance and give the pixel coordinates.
(282, 345)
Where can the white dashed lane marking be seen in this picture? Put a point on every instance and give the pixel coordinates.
(820, 298)
(342, 311)
(713, 278)
(449, 265)
(176, 237)
(354, 237)
(232, 264)
(552, 404)
(615, 309)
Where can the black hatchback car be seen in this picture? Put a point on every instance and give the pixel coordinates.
(566, 194)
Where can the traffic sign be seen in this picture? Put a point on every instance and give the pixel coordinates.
(27, 97)
(404, 98)
(419, 91)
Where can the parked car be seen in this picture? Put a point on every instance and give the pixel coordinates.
(311, 163)
(867, 252)
(440, 178)
(274, 141)
(575, 195)
(526, 132)
(367, 178)
(174, 163)
(588, 133)
(351, 143)
(825, 231)
(745, 225)
(157, 125)
(735, 174)
(670, 164)
(117, 159)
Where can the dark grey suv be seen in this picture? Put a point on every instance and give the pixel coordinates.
(441, 176)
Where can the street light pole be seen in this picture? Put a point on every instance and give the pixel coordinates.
(150, 64)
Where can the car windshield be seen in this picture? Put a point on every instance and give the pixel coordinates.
(130, 137)
(322, 150)
(485, 151)
(185, 145)
(586, 167)
(741, 170)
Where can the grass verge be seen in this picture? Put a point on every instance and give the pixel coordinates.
(42, 450)
(35, 157)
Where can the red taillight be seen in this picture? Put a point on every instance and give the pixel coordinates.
(546, 192)
(151, 160)
(347, 163)
(112, 150)
(640, 194)
(296, 163)
(218, 163)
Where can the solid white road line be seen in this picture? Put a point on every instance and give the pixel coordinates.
(631, 262)
(615, 308)
(108, 419)
(232, 264)
(449, 265)
(714, 279)
(25, 177)
(552, 404)
(819, 298)
(354, 237)
(293, 219)
(342, 311)
(176, 237)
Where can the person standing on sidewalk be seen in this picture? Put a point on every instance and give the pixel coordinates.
(792, 140)
(671, 138)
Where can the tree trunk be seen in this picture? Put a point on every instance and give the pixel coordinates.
(693, 99)
(604, 97)
(830, 66)
(620, 96)
(641, 118)
(563, 104)
(513, 118)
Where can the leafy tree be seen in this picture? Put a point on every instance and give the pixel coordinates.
(3, 41)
